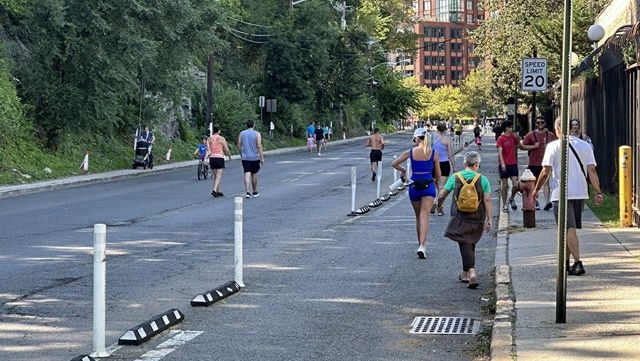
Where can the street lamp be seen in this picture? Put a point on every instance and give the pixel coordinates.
(595, 34)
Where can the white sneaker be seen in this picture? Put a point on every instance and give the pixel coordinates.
(421, 252)
(319, 154)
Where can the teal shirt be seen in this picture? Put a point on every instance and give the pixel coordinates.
(468, 174)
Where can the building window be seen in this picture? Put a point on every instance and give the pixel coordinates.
(456, 61)
(470, 18)
(456, 75)
(427, 74)
(456, 33)
(426, 8)
(456, 47)
(473, 62)
(469, 5)
(429, 46)
(439, 75)
(471, 48)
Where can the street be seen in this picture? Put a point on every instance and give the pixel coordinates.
(319, 285)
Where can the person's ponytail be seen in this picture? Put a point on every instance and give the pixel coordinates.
(425, 145)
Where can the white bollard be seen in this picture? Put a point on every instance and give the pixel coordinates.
(99, 293)
(395, 171)
(379, 180)
(353, 189)
(237, 233)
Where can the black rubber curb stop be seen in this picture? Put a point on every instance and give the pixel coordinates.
(83, 358)
(148, 329)
(208, 298)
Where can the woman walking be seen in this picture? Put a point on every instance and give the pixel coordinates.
(444, 149)
(422, 192)
(217, 148)
(465, 227)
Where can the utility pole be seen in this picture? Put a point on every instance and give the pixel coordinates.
(532, 125)
(209, 117)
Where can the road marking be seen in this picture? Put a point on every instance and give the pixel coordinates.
(179, 338)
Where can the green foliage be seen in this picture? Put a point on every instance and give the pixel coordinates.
(442, 103)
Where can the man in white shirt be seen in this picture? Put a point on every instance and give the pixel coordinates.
(580, 162)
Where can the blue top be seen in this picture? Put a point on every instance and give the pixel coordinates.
(249, 140)
(441, 149)
(421, 169)
(202, 150)
(311, 129)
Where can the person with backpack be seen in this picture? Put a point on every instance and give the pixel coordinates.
(471, 213)
(425, 168)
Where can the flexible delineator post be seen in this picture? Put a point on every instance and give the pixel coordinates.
(99, 292)
(237, 232)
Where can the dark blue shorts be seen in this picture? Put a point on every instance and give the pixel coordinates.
(415, 195)
(512, 171)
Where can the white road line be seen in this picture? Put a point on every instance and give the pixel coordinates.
(179, 338)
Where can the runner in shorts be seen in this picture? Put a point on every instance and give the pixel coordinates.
(250, 146)
(376, 142)
(217, 148)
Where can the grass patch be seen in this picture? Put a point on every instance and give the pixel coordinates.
(480, 347)
(608, 212)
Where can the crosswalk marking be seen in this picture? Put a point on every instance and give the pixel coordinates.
(178, 339)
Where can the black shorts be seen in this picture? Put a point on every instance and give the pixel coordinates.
(375, 155)
(445, 169)
(216, 163)
(251, 166)
(512, 171)
(535, 169)
(574, 212)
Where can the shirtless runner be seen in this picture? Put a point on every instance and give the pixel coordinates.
(376, 142)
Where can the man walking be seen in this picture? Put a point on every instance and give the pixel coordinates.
(508, 144)
(580, 156)
(319, 134)
(376, 142)
(250, 146)
(535, 142)
(148, 137)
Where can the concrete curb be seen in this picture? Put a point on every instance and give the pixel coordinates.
(105, 177)
(502, 340)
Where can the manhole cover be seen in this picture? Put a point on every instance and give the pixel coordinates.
(445, 325)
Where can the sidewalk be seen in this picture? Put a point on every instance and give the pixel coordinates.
(603, 306)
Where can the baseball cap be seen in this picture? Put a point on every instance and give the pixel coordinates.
(419, 132)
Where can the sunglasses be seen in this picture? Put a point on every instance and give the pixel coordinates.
(540, 122)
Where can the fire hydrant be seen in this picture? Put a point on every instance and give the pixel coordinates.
(526, 186)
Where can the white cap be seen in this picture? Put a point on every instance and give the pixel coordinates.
(527, 176)
(419, 132)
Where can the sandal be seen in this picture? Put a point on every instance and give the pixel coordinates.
(441, 211)
(463, 280)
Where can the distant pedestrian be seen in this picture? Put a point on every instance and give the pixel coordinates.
(376, 142)
(444, 149)
(477, 134)
(250, 146)
(319, 135)
(466, 226)
(508, 144)
(311, 129)
(217, 148)
(422, 192)
(498, 129)
(310, 142)
(457, 130)
(580, 162)
(535, 142)
(576, 131)
(147, 136)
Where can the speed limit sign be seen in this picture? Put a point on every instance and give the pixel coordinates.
(534, 74)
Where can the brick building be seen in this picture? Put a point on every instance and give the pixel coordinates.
(445, 53)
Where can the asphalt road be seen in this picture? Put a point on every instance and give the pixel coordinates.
(320, 285)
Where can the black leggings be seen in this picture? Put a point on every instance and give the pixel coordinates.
(468, 254)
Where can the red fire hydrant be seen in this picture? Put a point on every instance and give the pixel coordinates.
(526, 186)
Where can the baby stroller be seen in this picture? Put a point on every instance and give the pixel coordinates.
(142, 156)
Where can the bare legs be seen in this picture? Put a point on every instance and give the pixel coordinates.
(217, 177)
(421, 210)
(251, 180)
(573, 244)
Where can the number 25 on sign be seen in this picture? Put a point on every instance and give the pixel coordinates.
(534, 74)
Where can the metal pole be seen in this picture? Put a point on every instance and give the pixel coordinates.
(209, 117)
(237, 237)
(353, 189)
(561, 287)
(99, 285)
(532, 125)
(395, 171)
(379, 178)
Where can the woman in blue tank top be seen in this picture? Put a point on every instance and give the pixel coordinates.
(425, 167)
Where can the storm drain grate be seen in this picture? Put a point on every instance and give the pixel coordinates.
(445, 325)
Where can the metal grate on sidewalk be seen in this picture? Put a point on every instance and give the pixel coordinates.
(445, 325)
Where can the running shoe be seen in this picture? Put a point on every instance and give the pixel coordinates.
(512, 203)
(421, 252)
(433, 208)
(373, 177)
(214, 193)
(537, 206)
(548, 206)
(248, 195)
(255, 195)
(505, 208)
